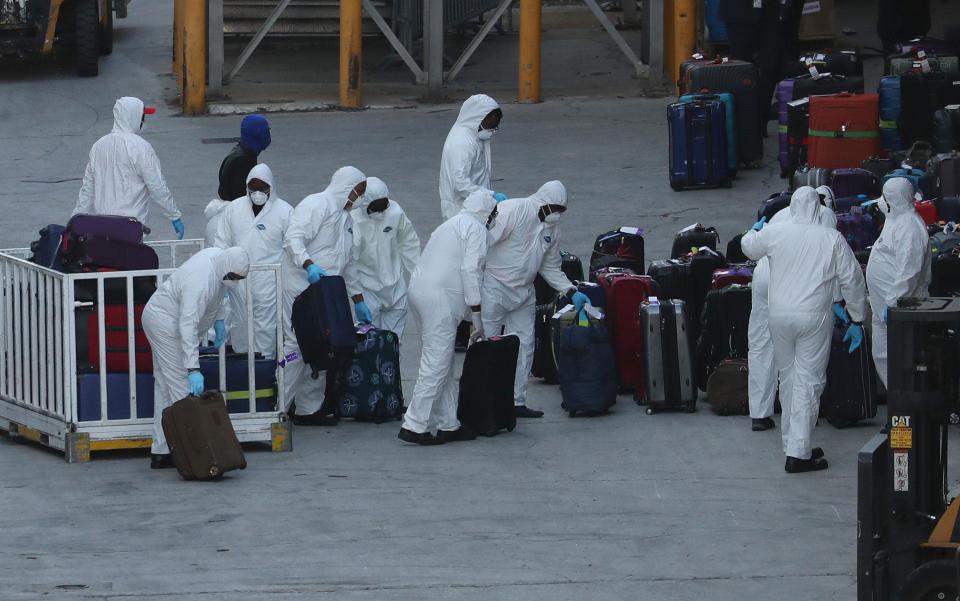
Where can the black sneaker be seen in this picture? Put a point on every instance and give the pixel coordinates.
(426, 438)
(798, 466)
(461, 434)
(816, 453)
(764, 423)
(316, 419)
(524, 411)
(160, 462)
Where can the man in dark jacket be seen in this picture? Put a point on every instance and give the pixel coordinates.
(254, 139)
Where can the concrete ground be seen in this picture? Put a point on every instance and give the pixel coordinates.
(665, 507)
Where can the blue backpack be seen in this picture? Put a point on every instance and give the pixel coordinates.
(922, 182)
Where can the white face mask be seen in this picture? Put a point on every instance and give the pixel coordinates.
(552, 218)
(379, 215)
(485, 134)
(259, 198)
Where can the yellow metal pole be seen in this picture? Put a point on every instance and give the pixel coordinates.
(529, 51)
(178, 42)
(351, 53)
(194, 57)
(679, 34)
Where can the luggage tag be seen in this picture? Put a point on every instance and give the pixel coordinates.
(592, 311)
(653, 300)
(364, 328)
(561, 312)
(633, 231)
(691, 228)
(697, 56)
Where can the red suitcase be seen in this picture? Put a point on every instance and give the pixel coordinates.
(844, 130)
(115, 336)
(927, 209)
(734, 274)
(625, 292)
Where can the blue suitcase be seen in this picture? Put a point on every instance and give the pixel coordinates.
(889, 91)
(323, 324)
(237, 395)
(727, 99)
(585, 363)
(698, 145)
(717, 28)
(46, 249)
(118, 396)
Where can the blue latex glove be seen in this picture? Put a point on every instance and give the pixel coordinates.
(759, 225)
(195, 379)
(178, 227)
(886, 312)
(220, 331)
(363, 313)
(314, 273)
(841, 313)
(499, 196)
(855, 336)
(579, 299)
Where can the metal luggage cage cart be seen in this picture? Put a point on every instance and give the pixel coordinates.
(38, 359)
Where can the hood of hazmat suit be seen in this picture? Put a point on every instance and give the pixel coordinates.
(465, 165)
(828, 196)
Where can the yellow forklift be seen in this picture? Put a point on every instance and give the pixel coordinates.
(908, 532)
(33, 27)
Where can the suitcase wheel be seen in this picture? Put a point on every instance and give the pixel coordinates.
(214, 471)
(691, 408)
(511, 427)
(573, 413)
(649, 410)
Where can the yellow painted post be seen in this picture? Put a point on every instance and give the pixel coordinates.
(351, 53)
(194, 57)
(529, 51)
(679, 34)
(178, 42)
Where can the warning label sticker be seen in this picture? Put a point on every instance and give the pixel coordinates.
(901, 437)
(901, 472)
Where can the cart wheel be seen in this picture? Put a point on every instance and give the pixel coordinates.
(87, 35)
(214, 471)
(932, 581)
(511, 427)
(649, 410)
(572, 413)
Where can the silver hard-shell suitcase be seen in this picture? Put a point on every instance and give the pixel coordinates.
(670, 382)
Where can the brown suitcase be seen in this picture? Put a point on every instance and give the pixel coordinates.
(201, 437)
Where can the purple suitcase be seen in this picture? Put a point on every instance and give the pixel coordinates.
(784, 95)
(847, 183)
(114, 227)
(95, 253)
(857, 229)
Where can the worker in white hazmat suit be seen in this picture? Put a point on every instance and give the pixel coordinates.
(257, 223)
(123, 172)
(899, 264)
(445, 287)
(386, 248)
(183, 308)
(319, 242)
(806, 261)
(465, 165)
(524, 241)
(762, 380)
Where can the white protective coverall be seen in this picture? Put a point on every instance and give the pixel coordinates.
(521, 246)
(123, 172)
(185, 306)
(214, 214)
(465, 165)
(445, 284)
(386, 248)
(806, 261)
(321, 230)
(762, 379)
(899, 264)
(262, 237)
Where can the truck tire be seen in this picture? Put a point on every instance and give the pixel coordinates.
(932, 581)
(106, 33)
(87, 36)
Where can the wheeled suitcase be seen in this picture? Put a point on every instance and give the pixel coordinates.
(698, 145)
(731, 124)
(843, 130)
(693, 237)
(878, 166)
(585, 357)
(857, 228)
(945, 274)
(702, 266)
(46, 249)
(95, 252)
(851, 182)
(944, 169)
(922, 94)
(625, 293)
(202, 441)
(673, 277)
(903, 64)
(116, 338)
(570, 265)
(623, 247)
(595, 292)
(926, 44)
(368, 388)
(773, 204)
(740, 274)
(486, 386)
(725, 320)
(847, 204)
(944, 138)
(889, 94)
(948, 208)
(544, 364)
(237, 390)
(798, 134)
(806, 86)
(114, 289)
(112, 227)
(728, 388)
(850, 394)
(809, 176)
(784, 96)
(323, 324)
(927, 210)
(740, 79)
(118, 397)
(668, 360)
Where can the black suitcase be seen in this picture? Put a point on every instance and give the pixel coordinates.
(202, 441)
(673, 278)
(571, 266)
(702, 266)
(486, 386)
(851, 391)
(668, 360)
(922, 94)
(587, 368)
(46, 249)
(544, 364)
(323, 324)
(806, 86)
(623, 248)
(945, 274)
(725, 320)
(774, 203)
(694, 236)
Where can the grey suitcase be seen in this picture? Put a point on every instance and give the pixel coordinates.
(945, 171)
(809, 176)
(668, 358)
(904, 64)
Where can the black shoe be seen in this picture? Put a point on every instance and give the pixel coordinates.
(816, 453)
(160, 462)
(426, 438)
(764, 423)
(798, 466)
(524, 411)
(316, 419)
(461, 434)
